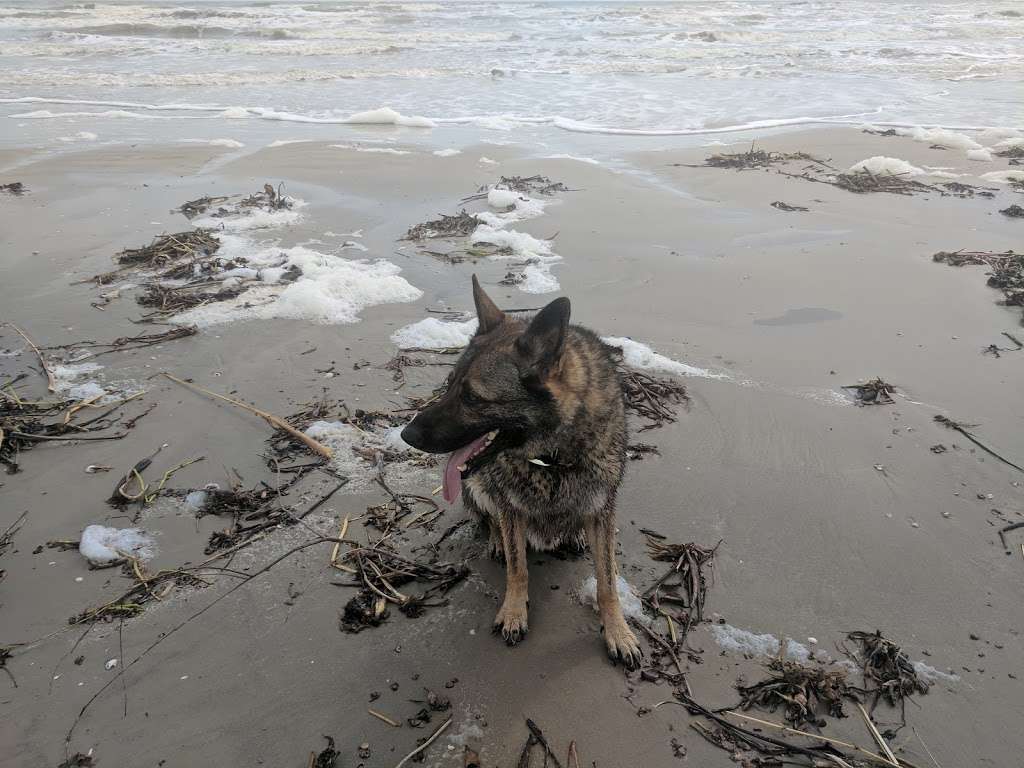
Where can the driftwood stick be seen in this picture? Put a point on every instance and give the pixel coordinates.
(50, 383)
(270, 418)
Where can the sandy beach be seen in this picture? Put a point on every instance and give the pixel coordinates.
(832, 517)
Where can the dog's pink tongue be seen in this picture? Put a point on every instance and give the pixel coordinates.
(452, 476)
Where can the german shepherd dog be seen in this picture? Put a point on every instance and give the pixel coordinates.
(534, 419)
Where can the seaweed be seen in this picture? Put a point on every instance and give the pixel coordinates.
(1014, 212)
(805, 691)
(872, 392)
(15, 188)
(459, 225)
(652, 398)
(888, 672)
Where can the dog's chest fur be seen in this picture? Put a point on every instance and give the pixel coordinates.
(586, 455)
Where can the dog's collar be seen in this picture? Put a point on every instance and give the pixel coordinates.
(548, 461)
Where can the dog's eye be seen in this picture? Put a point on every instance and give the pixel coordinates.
(469, 397)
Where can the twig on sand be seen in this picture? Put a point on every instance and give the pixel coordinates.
(51, 385)
(877, 736)
(961, 428)
(270, 418)
(1004, 531)
(430, 740)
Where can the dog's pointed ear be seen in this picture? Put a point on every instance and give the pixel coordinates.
(542, 343)
(487, 312)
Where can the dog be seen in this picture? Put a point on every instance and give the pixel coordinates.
(534, 419)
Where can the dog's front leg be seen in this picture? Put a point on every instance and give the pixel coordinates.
(511, 619)
(618, 636)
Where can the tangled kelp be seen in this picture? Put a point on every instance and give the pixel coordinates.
(652, 398)
(461, 224)
(15, 188)
(888, 672)
(872, 392)
(805, 692)
(380, 573)
(753, 158)
(1006, 275)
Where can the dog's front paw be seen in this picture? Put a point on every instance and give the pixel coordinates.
(622, 644)
(511, 622)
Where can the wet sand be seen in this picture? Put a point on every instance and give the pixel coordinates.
(772, 459)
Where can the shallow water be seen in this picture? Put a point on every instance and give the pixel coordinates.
(671, 67)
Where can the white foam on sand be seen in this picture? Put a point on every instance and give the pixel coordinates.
(502, 198)
(355, 451)
(1010, 143)
(942, 137)
(576, 158)
(737, 640)
(100, 544)
(330, 290)
(449, 152)
(931, 675)
(228, 143)
(982, 155)
(388, 116)
(286, 142)
(520, 246)
(432, 333)
(256, 219)
(880, 165)
(80, 136)
(1003, 177)
(373, 150)
(632, 608)
(635, 354)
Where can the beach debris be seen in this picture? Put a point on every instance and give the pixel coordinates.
(1006, 275)
(50, 383)
(691, 569)
(26, 421)
(379, 572)
(754, 748)
(964, 429)
(880, 132)
(865, 182)
(1014, 212)
(1013, 150)
(7, 538)
(274, 421)
(1005, 530)
(268, 199)
(787, 207)
(888, 672)
(79, 760)
(872, 392)
(959, 189)
(806, 692)
(15, 188)
(325, 758)
(460, 225)
(751, 159)
(534, 739)
(996, 351)
(102, 545)
(637, 451)
(424, 743)
(125, 343)
(652, 397)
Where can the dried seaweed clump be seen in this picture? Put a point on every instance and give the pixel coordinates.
(1007, 271)
(459, 225)
(873, 392)
(524, 185)
(653, 398)
(168, 248)
(888, 672)
(806, 692)
(865, 182)
(753, 158)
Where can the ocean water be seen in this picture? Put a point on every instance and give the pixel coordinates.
(228, 68)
